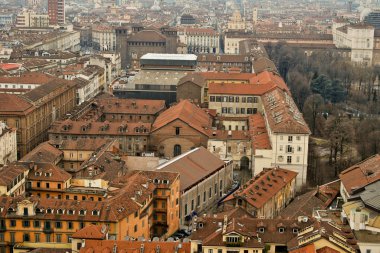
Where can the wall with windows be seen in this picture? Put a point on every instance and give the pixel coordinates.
(235, 106)
(205, 193)
(290, 152)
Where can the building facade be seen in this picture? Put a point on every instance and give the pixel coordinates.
(8, 145)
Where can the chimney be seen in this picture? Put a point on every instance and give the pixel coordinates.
(229, 133)
(225, 220)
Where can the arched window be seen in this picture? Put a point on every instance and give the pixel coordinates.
(177, 150)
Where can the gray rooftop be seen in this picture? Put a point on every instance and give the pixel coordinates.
(171, 57)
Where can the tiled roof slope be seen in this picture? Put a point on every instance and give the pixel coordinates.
(282, 113)
(361, 174)
(187, 112)
(264, 186)
(192, 166)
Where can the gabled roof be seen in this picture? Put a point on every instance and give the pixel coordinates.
(97, 232)
(194, 77)
(47, 172)
(192, 166)
(361, 174)
(263, 186)
(44, 152)
(11, 104)
(187, 112)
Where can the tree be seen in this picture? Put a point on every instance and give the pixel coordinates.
(313, 107)
(337, 92)
(340, 132)
(321, 85)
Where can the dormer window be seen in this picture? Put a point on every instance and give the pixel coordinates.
(233, 239)
(82, 212)
(95, 212)
(71, 212)
(200, 224)
(165, 181)
(281, 230)
(156, 181)
(47, 174)
(37, 173)
(60, 211)
(261, 230)
(49, 210)
(295, 230)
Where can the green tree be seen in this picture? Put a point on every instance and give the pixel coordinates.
(337, 92)
(321, 85)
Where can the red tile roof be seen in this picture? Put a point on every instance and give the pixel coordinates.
(258, 132)
(27, 78)
(11, 104)
(361, 174)
(187, 112)
(48, 172)
(307, 249)
(264, 186)
(94, 246)
(10, 66)
(282, 113)
(97, 232)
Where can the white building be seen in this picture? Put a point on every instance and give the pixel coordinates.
(32, 19)
(8, 145)
(357, 37)
(103, 38)
(200, 40)
(278, 132)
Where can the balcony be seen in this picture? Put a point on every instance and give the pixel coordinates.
(3, 228)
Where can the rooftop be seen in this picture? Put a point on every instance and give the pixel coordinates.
(171, 57)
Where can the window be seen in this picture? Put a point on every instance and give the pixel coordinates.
(290, 138)
(185, 209)
(26, 223)
(244, 100)
(25, 211)
(135, 228)
(298, 138)
(289, 149)
(47, 185)
(177, 131)
(37, 237)
(38, 184)
(13, 237)
(212, 98)
(295, 230)
(198, 200)
(58, 224)
(48, 238)
(70, 225)
(261, 230)
(177, 150)
(204, 196)
(281, 230)
(59, 238)
(36, 224)
(233, 239)
(210, 251)
(216, 188)
(289, 159)
(298, 159)
(281, 147)
(192, 204)
(59, 186)
(26, 237)
(254, 99)
(13, 223)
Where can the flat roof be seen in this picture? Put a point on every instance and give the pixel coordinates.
(172, 57)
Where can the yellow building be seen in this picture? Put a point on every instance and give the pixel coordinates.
(128, 211)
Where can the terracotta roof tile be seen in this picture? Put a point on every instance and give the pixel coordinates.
(44, 152)
(97, 232)
(258, 132)
(11, 104)
(187, 112)
(361, 174)
(263, 186)
(95, 246)
(47, 172)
